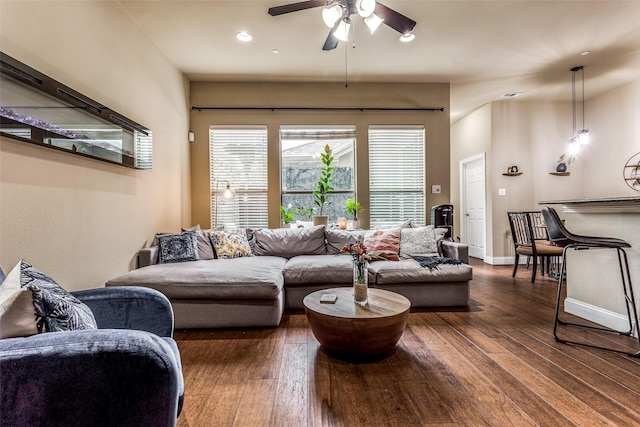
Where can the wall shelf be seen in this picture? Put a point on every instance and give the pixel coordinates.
(560, 173)
(512, 173)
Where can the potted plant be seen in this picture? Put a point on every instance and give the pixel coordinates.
(321, 194)
(353, 208)
(288, 215)
(562, 163)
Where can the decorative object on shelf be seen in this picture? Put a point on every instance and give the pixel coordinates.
(321, 195)
(37, 109)
(562, 164)
(512, 171)
(631, 172)
(353, 208)
(360, 256)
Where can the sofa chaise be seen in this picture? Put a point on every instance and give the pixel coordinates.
(285, 265)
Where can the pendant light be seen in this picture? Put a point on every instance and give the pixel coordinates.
(580, 137)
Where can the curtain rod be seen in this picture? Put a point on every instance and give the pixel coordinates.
(195, 108)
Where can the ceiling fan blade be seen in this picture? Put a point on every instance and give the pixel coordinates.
(395, 20)
(295, 7)
(331, 42)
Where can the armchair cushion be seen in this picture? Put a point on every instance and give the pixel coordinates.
(32, 302)
(90, 377)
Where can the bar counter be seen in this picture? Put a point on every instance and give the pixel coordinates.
(594, 288)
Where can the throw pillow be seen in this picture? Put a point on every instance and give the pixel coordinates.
(336, 239)
(383, 243)
(205, 250)
(420, 241)
(230, 244)
(32, 302)
(179, 247)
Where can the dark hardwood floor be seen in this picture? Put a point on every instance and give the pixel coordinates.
(495, 364)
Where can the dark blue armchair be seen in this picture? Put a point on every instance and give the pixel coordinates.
(126, 373)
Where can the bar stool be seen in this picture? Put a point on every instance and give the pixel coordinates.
(560, 236)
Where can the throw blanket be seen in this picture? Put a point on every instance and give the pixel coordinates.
(434, 261)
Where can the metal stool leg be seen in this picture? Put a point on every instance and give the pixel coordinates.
(629, 302)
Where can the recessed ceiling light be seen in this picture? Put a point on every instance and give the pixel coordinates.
(243, 36)
(586, 52)
(275, 51)
(406, 38)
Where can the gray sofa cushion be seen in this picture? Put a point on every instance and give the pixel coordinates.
(238, 278)
(336, 239)
(409, 271)
(318, 269)
(289, 242)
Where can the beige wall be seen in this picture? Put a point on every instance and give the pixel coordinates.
(82, 220)
(318, 95)
(532, 135)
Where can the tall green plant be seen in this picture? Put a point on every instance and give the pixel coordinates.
(321, 194)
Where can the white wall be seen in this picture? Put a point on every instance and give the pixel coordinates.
(532, 135)
(82, 220)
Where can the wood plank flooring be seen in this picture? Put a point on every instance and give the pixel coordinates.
(495, 364)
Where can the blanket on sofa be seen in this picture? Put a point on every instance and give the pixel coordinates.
(432, 262)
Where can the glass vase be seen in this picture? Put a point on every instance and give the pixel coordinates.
(360, 282)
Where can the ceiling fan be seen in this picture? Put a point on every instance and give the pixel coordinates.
(336, 15)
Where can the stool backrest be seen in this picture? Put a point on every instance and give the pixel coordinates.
(558, 234)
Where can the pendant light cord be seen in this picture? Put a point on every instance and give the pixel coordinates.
(573, 99)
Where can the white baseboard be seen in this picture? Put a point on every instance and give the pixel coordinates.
(609, 319)
(506, 260)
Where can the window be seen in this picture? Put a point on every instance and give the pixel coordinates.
(238, 157)
(300, 149)
(396, 175)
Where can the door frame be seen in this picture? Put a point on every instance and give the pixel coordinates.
(463, 192)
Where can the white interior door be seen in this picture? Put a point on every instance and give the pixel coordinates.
(473, 203)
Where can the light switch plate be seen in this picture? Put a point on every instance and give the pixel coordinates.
(436, 189)
(502, 191)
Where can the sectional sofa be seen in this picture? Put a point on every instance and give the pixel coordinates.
(274, 269)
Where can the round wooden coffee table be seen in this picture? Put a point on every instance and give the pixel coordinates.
(346, 329)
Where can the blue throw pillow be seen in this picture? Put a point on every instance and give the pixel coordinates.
(32, 303)
(179, 247)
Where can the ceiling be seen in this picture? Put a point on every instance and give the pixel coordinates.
(483, 48)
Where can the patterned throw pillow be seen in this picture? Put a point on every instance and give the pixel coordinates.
(383, 243)
(419, 241)
(179, 247)
(32, 303)
(205, 250)
(230, 244)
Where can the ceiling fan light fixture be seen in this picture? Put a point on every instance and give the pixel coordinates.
(373, 21)
(406, 38)
(365, 7)
(331, 14)
(342, 32)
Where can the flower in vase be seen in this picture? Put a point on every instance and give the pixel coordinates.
(358, 251)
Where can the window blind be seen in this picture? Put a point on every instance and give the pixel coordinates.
(396, 175)
(238, 156)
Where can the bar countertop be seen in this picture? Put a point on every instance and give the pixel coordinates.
(601, 200)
